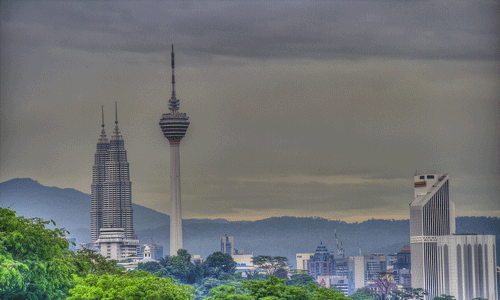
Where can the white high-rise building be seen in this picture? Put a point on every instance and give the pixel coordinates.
(467, 266)
(174, 126)
(432, 214)
(113, 244)
(443, 262)
(365, 269)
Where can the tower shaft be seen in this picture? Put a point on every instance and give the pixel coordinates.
(175, 200)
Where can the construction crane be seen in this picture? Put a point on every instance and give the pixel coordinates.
(340, 250)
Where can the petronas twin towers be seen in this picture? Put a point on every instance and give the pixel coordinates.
(111, 187)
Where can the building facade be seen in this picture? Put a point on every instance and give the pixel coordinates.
(365, 270)
(321, 263)
(155, 250)
(467, 266)
(301, 259)
(227, 245)
(97, 188)
(111, 199)
(113, 244)
(432, 214)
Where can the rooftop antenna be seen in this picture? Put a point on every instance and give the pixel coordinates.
(173, 103)
(173, 75)
(116, 113)
(102, 112)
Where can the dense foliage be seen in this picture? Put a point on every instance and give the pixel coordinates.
(130, 285)
(34, 261)
(275, 289)
(35, 264)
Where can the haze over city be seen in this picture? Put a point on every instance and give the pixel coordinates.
(302, 109)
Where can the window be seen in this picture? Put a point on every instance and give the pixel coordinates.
(430, 176)
(422, 177)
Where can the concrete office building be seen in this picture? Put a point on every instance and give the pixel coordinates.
(443, 262)
(432, 214)
(174, 126)
(227, 245)
(113, 244)
(365, 269)
(302, 259)
(467, 266)
(321, 263)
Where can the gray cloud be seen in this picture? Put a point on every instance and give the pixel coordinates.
(304, 108)
(431, 30)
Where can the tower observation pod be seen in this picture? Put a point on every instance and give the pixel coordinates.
(174, 126)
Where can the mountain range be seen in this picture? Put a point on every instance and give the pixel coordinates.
(283, 236)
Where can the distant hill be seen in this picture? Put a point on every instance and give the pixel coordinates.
(274, 236)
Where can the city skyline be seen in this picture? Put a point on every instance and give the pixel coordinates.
(308, 109)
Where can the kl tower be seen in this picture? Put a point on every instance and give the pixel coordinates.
(174, 126)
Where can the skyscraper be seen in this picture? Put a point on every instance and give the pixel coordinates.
(117, 208)
(111, 208)
(432, 214)
(97, 188)
(227, 244)
(174, 126)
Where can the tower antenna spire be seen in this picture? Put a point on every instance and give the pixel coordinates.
(173, 75)
(102, 115)
(116, 113)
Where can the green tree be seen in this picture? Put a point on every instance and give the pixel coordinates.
(444, 297)
(34, 260)
(275, 289)
(87, 262)
(409, 293)
(363, 294)
(227, 293)
(205, 286)
(181, 268)
(300, 277)
(131, 285)
(150, 266)
(222, 260)
(272, 265)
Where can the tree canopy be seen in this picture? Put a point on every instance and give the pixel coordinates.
(34, 261)
(131, 285)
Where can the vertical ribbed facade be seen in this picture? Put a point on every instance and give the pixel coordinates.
(432, 214)
(97, 188)
(118, 188)
(111, 205)
(467, 266)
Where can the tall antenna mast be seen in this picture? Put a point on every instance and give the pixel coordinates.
(102, 112)
(173, 103)
(173, 75)
(116, 113)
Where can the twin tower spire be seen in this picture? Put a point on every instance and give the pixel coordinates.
(111, 187)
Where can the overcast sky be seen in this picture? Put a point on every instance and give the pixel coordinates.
(297, 108)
